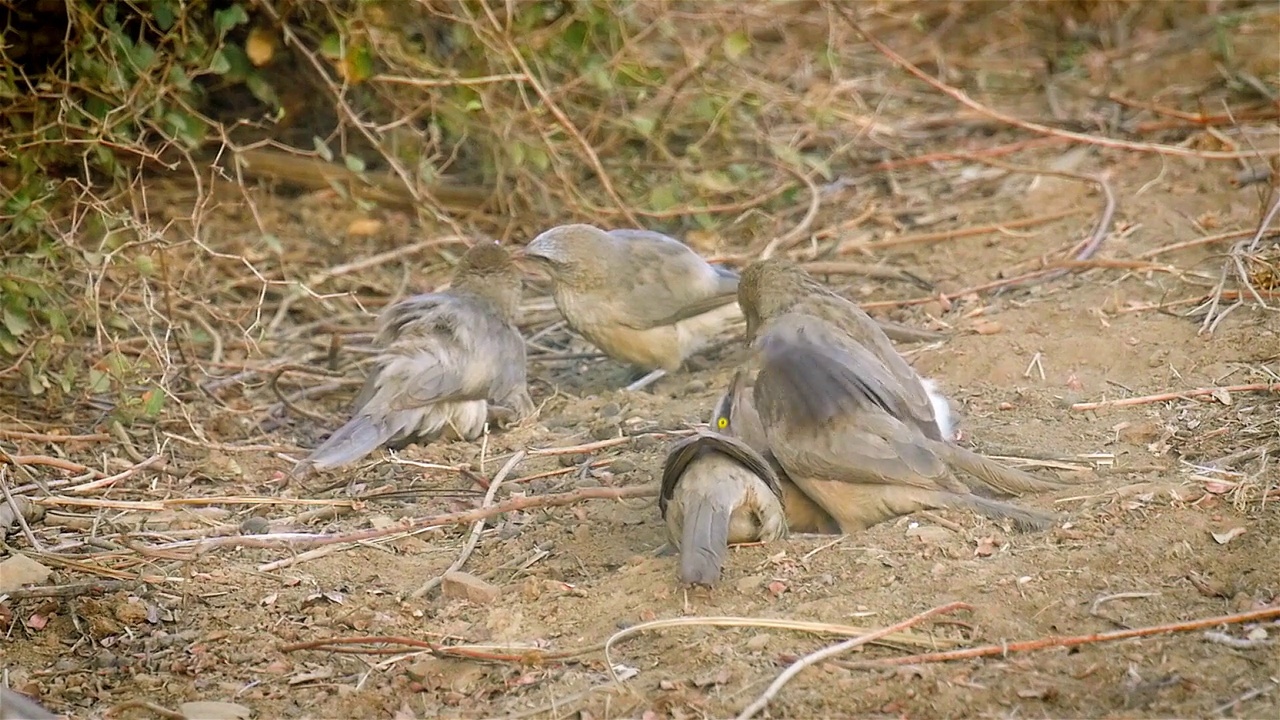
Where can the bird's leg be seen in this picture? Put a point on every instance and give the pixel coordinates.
(501, 417)
(647, 380)
(401, 443)
(667, 550)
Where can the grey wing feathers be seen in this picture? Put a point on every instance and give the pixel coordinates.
(360, 436)
(673, 281)
(445, 348)
(688, 449)
(704, 541)
(807, 377)
(435, 348)
(15, 706)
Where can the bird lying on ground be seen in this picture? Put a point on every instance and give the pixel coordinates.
(716, 490)
(448, 361)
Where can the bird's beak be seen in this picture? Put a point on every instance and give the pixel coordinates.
(525, 262)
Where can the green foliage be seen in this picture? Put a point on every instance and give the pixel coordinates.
(130, 81)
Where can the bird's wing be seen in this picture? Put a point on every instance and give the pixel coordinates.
(669, 281)
(913, 404)
(688, 449)
(441, 348)
(831, 410)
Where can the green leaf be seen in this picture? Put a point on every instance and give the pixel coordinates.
(331, 47)
(538, 156)
(220, 65)
(663, 197)
(714, 181)
(142, 55)
(599, 77)
(353, 163)
(57, 320)
(224, 20)
(240, 67)
(145, 265)
(179, 78)
(9, 343)
(262, 90)
(273, 243)
(338, 187)
(162, 13)
(736, 45)
(152, 402)
(575, 35)
(360, 65)
(321, 148)
(99, 382)
(18, 323)
(37, 383)
(643, 124)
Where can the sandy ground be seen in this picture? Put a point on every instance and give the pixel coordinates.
(1140, 543)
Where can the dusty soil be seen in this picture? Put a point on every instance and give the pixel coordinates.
(1136, 546)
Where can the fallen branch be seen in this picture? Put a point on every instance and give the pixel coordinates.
(42, 437)
(384, 188)
(1070, 641)
(476, 529)
(1184, 394)
(839, 649)
(301, 540)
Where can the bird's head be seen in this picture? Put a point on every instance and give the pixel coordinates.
(568, 253)
(485, 258)
(768, 288)
(486, 270)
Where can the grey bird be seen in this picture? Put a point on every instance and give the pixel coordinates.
(715, 491)
(16, 706)
(840, 424)
(448, 362)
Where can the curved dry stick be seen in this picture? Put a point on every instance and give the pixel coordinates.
(964, 99)
(839, 649)
(815, 203)
(476, 529)
(274, 383)
(1100, 230)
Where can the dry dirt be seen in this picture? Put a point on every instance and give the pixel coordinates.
(1140, 528)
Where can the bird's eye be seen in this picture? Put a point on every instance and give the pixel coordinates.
(722, 422)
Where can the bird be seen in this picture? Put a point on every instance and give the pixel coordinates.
(16, 706)
(839, 422)
(641, 297)
(715, 491)
(448, 362)
(772, 287)
(735, 414)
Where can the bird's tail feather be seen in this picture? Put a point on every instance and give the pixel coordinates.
(359, 437)
(704, 543)
(1023, 519)
(992, 475)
